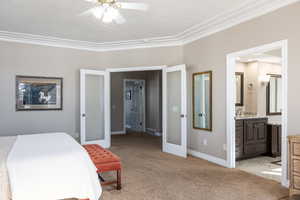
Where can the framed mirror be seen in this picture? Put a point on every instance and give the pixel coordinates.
(202, 101)
(239, 78)
(274, 94)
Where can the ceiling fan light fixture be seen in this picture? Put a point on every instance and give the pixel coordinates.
(110, 14)
(108, 10)
(98, 12)
(107, 19)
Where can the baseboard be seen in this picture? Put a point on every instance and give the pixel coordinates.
(118, 132)
(286, 183)
(152, 131)
(207, 157)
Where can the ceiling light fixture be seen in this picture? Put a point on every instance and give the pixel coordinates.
(108, 10)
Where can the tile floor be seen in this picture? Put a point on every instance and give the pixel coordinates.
(261, 166)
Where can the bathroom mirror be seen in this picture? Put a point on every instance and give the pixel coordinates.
(239, 78)
(202, 101)
(274, 94)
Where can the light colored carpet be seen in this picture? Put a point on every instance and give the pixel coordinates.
(261, 166)
(149, 174)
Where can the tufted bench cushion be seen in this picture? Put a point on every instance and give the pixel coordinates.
(105, 161)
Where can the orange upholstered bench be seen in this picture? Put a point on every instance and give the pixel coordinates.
(105, 161)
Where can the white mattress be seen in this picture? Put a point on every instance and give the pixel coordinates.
(50, 167)
(6, 143)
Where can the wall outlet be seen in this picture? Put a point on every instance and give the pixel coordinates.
(205, 142)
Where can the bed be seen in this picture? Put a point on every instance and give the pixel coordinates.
(46, 166)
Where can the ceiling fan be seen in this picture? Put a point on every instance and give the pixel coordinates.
(108, 10)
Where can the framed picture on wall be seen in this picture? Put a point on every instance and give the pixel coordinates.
(39, 93)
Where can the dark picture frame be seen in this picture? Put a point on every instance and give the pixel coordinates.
(241, 75)
(37, 93)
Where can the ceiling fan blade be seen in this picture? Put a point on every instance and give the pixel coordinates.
(92, 1)
(97, 12)
(87, 12)
(133, 6)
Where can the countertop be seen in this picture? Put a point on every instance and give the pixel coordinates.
(240, 117)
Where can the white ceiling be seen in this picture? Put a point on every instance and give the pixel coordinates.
(166, 23)
(273, 56)
(60, 18)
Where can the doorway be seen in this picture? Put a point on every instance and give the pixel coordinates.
(257, 134)
(174, 107)
(134, 105)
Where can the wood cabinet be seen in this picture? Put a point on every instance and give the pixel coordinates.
(274, 140)
(294, 164)
(239, 137)
(251, 137)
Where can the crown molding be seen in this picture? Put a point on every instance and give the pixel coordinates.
(89, 46)
(249, 10)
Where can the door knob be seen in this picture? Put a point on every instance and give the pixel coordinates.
(83, 115)
(182, 115)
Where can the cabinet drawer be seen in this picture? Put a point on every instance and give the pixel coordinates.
(255, 149)
(296, 165)
(296, 149)
(250, 150)
(296, 184)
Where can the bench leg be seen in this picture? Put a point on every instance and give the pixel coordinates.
(101, 178)
(119, 184)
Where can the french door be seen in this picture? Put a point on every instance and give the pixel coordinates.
(94, 107)
(175, 110)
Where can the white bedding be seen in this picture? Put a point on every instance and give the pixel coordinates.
(6, 143)
(50, 167)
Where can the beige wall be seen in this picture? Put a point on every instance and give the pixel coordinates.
(250, 85)
(210, 54)
(205, 54)
(154, 102)
(25, 59)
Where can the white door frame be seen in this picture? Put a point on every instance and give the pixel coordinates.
(106, 142)
(230, 91)
(124, 103)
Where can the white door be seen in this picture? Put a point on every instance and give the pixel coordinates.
(175, 110)
(94, 108)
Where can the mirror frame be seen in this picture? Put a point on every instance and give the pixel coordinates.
(268, 96)
(210, 101)
(241, 74)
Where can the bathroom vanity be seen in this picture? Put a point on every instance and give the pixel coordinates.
(251, 136)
